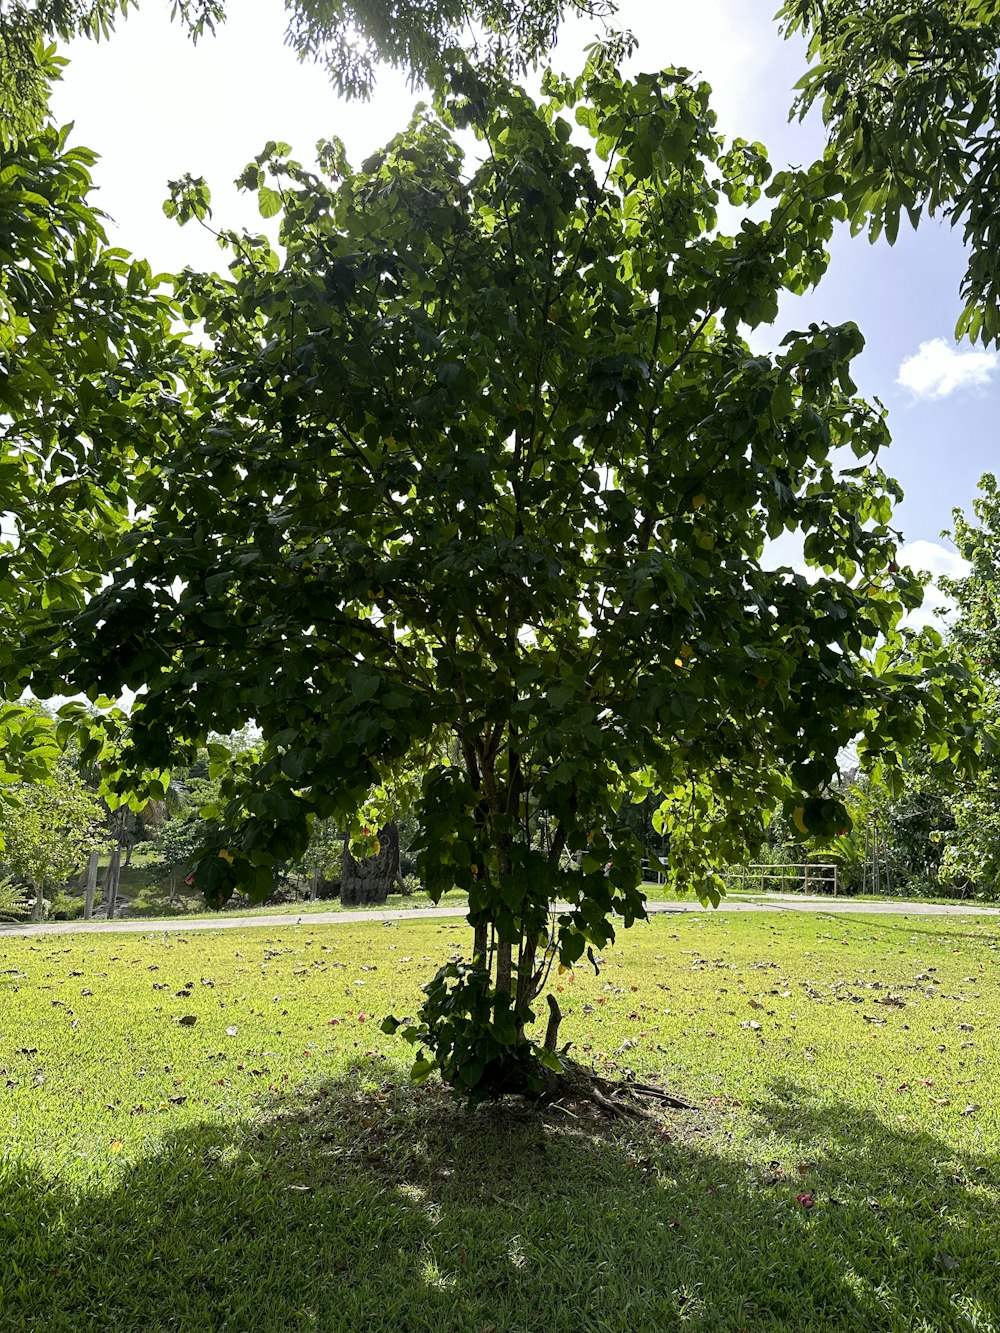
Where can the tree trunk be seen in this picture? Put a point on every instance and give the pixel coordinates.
(91, 885)
(129, 849)
(111, 881)
(314, 887)
(370, 880)
(38, 910)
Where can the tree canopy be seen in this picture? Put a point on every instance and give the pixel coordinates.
(47, 830)
(477, 476)
(87, 377)
(972, 848)
(909, 92)
(348, 37)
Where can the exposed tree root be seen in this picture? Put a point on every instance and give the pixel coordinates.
(621, 1100)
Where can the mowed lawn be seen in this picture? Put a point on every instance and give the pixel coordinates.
(268, 1166)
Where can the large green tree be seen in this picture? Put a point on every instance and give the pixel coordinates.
(972, 845)
(47, 831)
(483, 454)
(909, 91)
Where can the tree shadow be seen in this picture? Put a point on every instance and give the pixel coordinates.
(365, 1205)
(960, 929)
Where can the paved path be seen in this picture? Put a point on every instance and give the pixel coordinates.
(225, 921)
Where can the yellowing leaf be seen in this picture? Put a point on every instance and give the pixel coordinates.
(706, 540)
(226, 855)
(115, 1145)
(799, 819)
(698, 501)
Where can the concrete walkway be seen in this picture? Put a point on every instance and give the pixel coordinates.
(225, 921)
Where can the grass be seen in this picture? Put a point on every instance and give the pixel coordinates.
(146, 886)
(269, 1167)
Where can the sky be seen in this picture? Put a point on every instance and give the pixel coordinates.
(155, 106)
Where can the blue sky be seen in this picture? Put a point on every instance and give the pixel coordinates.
(154, 107)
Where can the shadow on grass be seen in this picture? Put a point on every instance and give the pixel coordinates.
(366, 1206)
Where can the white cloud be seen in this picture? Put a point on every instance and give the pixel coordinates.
(933, 559)
(938, 369)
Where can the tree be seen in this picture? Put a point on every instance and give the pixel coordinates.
(486, 456)
(348, 37)
(28, 62)
(88, 373)
(909, 91)
(48, 830)
(370, 879)
(972, 846)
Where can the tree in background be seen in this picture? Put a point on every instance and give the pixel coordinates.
(48, 831)
(486, 456)
(322, 858)
(368, 879)
(972, 848)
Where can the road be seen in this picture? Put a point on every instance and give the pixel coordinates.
(227, 921)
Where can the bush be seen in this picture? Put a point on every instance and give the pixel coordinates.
(65, 906)
(14, 902)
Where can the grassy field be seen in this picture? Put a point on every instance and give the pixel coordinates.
(268, 1167)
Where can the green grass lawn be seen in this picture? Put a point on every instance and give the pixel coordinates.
(269, 1167)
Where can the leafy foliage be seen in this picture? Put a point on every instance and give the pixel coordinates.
(28, 63)
(88, 379)
(972, 849)
(909, 93)
(485, 457)
(350, 38)
(48, 829)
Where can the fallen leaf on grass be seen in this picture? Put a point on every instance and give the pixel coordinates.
(187, 1020)
(971, 1109)
(807, 1200)
(115, 1145)
(945, 1261)
(298, 1189)
(232, 1030)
